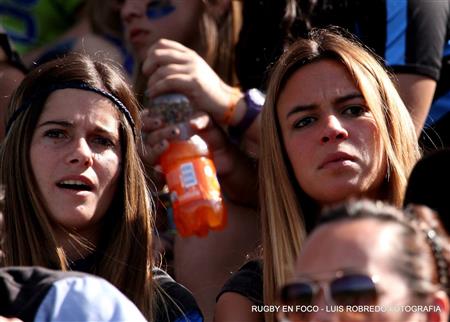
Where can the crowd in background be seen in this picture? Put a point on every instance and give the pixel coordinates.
(327, 121)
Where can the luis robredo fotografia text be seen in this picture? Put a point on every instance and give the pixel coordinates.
(344, 308)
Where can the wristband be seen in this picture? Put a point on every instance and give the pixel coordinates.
(254, 99)
(231, 109)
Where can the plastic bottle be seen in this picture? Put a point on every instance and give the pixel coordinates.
(190, 174)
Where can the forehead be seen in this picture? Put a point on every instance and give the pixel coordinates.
(77, 104)
(322, 80)
(364, 244)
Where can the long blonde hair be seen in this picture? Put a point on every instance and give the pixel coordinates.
(284, 206)
(124, 249)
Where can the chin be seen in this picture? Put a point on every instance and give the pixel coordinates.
(338, 194)
(140, 54)
(76, 220)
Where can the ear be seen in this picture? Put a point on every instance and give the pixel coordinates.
(439, 300)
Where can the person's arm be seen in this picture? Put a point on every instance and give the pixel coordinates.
(417, 92)
(233, 307)
(415, 38)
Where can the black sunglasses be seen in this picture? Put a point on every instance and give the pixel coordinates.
(343, 290)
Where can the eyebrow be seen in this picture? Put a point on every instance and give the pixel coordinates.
(344, 270)
(60, 123)
(338, 100)
(67, 124)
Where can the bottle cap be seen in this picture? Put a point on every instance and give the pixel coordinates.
(171, 108)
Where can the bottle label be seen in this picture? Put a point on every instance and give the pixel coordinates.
(188, 177)
(195, 180)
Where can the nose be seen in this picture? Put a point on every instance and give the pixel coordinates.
(333, 130)
(325, 312)
(132, 9)
(80, 153)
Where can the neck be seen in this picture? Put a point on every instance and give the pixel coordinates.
(76, 245)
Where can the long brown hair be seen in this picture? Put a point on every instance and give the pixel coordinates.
(124, 255)
(284, 206)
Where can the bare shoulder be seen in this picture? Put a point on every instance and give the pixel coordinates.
(233, 307)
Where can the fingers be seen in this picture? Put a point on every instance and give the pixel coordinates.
(200, 121)
(150, 123)
(180, 83)
(156, 139)
(167, 133)
(165, 52)
(150, 154)
(162, 57)
(213, 135)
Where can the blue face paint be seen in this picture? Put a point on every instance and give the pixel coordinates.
(159, 8)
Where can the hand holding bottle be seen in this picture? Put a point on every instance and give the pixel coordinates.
(189, 171)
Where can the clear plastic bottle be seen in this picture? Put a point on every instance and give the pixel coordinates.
(190, 174)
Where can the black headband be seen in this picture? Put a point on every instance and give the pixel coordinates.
(44, 93)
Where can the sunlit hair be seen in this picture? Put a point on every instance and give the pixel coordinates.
(124, 254)
(419, 242)
(283, 204)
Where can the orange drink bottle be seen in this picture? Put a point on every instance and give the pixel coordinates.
(191, 178)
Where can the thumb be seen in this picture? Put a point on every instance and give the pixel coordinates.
(200, 121)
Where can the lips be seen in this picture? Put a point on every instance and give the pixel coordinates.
(77, 183)
(136, 34)
(335, 158)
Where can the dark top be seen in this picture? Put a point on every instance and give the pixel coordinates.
(247, 281)
(22, 289)
(39, 294)
(180, 304)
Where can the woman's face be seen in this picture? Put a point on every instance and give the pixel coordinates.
(146, 21)
(329, 133)
(75, 157)
(366, 247)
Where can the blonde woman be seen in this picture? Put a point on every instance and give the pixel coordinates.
(75, 191)
(333, 127)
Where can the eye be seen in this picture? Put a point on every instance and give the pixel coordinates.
(153, 4)
(103, 141)
(159, 9)
(304, 122)
(354, 110)
(55, 134)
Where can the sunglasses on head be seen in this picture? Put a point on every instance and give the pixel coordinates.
(344, 289)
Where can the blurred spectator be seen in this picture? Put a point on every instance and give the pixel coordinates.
(44, 29)
(39, 294)
(371, 254)
(186, 47)
(34, 24)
